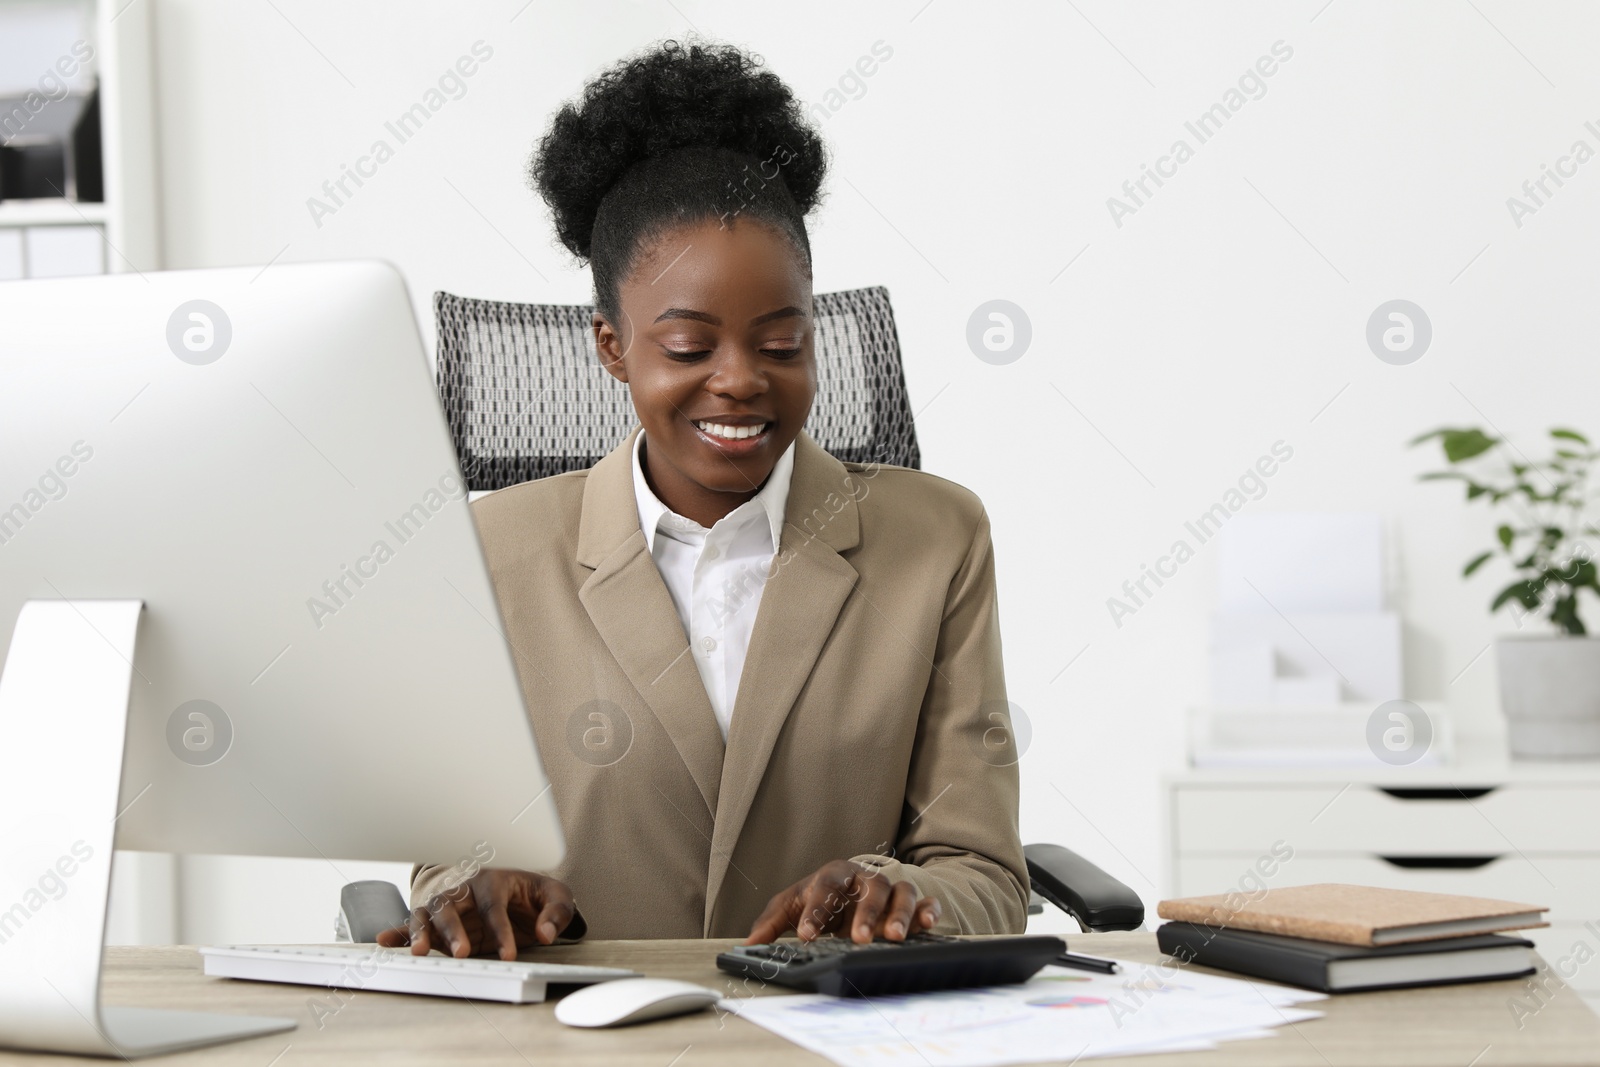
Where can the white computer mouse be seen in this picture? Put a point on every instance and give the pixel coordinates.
(632, 1000)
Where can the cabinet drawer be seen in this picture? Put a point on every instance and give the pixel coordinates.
(1568, 885)
(1365, 818)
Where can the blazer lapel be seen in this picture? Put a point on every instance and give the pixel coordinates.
(803, 596)
(631, 608)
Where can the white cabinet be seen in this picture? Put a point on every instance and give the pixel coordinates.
(1484, 826)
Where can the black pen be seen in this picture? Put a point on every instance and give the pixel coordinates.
(1086, 963)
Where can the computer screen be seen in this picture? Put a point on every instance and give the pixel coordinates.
(259, 457)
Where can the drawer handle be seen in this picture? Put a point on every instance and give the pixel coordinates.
(1439, 863)
(1451, 792)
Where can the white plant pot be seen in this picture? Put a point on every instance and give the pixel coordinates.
(1550, 693)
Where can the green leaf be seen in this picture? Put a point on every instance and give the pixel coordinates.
(1477, 561)
(1565, 615)
(1505, 534)
(1462, 445)
(1569, 435)
(1525, 592)
(1458, 444)
(1579, 573)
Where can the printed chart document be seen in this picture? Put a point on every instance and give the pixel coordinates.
(1059, 1014)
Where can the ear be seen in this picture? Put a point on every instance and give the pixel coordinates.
(608, 347)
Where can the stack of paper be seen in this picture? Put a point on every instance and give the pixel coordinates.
(1059, 1014)
(1331, 737)
(1300, 620)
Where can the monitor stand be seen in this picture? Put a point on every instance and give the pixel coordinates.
(64, 698)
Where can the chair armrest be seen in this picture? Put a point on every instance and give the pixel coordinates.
(1098, 901)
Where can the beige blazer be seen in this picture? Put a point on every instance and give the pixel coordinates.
(866, 724)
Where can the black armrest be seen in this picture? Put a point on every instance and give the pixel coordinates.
(367, 908)
(1098, 901)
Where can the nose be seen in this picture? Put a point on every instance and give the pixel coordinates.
(737, 373)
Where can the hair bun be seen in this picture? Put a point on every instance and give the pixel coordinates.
(668, 97)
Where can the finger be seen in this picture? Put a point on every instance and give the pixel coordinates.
(394, 937)
(809, 909)
(928, 912)
(556, 914)
(419, 932)
(775, 919)
(553, 918)
(824, 901)
(869, 908)
(498, 924)
(489, 897)
(451, 930)
(897, 916)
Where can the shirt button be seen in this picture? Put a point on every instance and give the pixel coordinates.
(708, 643)
(712, 552)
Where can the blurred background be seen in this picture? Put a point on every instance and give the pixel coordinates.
(1156, 340)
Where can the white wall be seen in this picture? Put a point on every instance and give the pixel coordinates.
(1223, 316)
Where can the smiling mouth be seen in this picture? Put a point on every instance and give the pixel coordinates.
(732, 433)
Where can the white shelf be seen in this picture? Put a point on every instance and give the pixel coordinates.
(119, 33)
(51, 212)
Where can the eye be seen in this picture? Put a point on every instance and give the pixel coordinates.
(781, 353)
(685, 355)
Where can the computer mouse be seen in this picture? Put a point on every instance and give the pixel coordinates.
(632, 1000)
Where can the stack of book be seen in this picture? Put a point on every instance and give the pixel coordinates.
(1340, 938)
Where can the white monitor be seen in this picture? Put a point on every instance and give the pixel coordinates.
(232, 521)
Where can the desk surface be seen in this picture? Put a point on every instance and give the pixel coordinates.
(1456, 1026)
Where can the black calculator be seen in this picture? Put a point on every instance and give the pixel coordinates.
(921, 963)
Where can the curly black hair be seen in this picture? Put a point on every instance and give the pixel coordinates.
(675, 135)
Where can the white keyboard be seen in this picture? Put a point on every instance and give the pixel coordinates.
(395, 970)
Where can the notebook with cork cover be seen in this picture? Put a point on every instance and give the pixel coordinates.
(1355, 914)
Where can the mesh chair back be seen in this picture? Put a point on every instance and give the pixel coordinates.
(526, 397)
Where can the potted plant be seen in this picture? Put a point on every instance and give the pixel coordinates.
(1550, 680)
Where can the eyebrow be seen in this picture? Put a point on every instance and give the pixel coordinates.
(701, 316)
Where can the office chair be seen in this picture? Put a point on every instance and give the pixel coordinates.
(526, 397)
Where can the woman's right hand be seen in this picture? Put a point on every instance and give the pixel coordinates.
(497, 910)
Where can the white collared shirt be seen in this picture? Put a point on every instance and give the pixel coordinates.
(716, 576)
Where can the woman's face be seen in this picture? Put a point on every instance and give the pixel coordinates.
(715, 344)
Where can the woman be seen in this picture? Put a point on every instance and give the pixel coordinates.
(765, 684)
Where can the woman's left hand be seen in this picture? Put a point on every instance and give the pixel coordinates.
(845, 896)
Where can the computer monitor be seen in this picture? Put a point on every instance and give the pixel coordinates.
(243, 609)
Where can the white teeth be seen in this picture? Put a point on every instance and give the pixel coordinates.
(732, 433)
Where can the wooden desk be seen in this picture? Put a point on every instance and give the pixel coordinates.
(1455, 1026)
